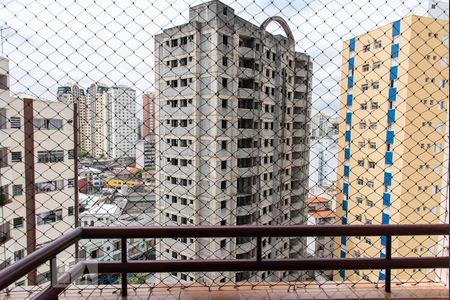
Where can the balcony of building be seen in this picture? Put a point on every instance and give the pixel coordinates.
(251, 242)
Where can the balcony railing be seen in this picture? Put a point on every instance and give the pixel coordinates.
(124, 266)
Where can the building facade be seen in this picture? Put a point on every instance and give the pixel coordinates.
(145, 153)
(149, 114)
(72, 93)
(323, 162)
(37, 196)
(106, 118)
(395, 106)
(233, 108)
(120, 135)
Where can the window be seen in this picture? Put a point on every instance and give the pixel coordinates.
(362, 125)
(376, 65)
(374, 105)
(361, 163)
(375, 85)
(225, 39)
(223, 244)
(359, 200)
(70, 154)
(50, 156)
(366, 48)
(442, 83)
(3, 119)
(15, 122)
(17, 190)
(224, 145)
(358, 218)
(19, 254)
(16, 157)
(372, 165)
(49, 217)
(224, 103)
(363, 106)
(365, 67)
(224, 123)
(223, 185)
(372, 145)
(224, 82)
(18, 222)
(71, 183)
(370, 184)
(364, 87)
(49, 186)
(361, 144)
(437, 148)
(225, 61)
(373, 125)
(70, 211)
(377, 44)
(48, 124)
(360, 181)
(223, 164)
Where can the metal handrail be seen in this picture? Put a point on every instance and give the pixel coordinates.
(48, 252)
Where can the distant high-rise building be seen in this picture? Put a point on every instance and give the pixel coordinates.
(120, 123)
(323, 162)
(97, 99)
(395, 104)
(145, 153)
(323, 125)
(107, 119)
(72, 93)
(233, 105)
(149, 115)
(37, 196)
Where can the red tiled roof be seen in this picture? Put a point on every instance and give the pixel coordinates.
(317, 200)
(322, 214)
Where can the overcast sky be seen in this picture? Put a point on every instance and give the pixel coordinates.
(53, 42)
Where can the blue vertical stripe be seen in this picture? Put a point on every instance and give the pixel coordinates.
(392, 94)
(350, 82)
(396, 28)
(391, 115)
(384, 219)
(388, 158)
(393, 73)
(352, 44)
(348, 118)
(395, 50)
(351, 63)
(347, 153)
(386, 199)
(349, 100)
(389, 137)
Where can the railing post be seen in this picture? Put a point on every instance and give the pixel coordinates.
(53, 271)
(124, 274)
(258, 249)
(387, 285)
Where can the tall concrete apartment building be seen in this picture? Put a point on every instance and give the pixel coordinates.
(232, 127)
(73, 93)
(106, 117)
(394, 100)
(37, 196)
(149, 114)
(120, 122)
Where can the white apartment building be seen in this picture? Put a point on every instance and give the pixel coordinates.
(120, 122)
(232, 113)
(145, 153)
(107, 119)
(72, 93)
(97, 98)
(323, 162)
(37, 199)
